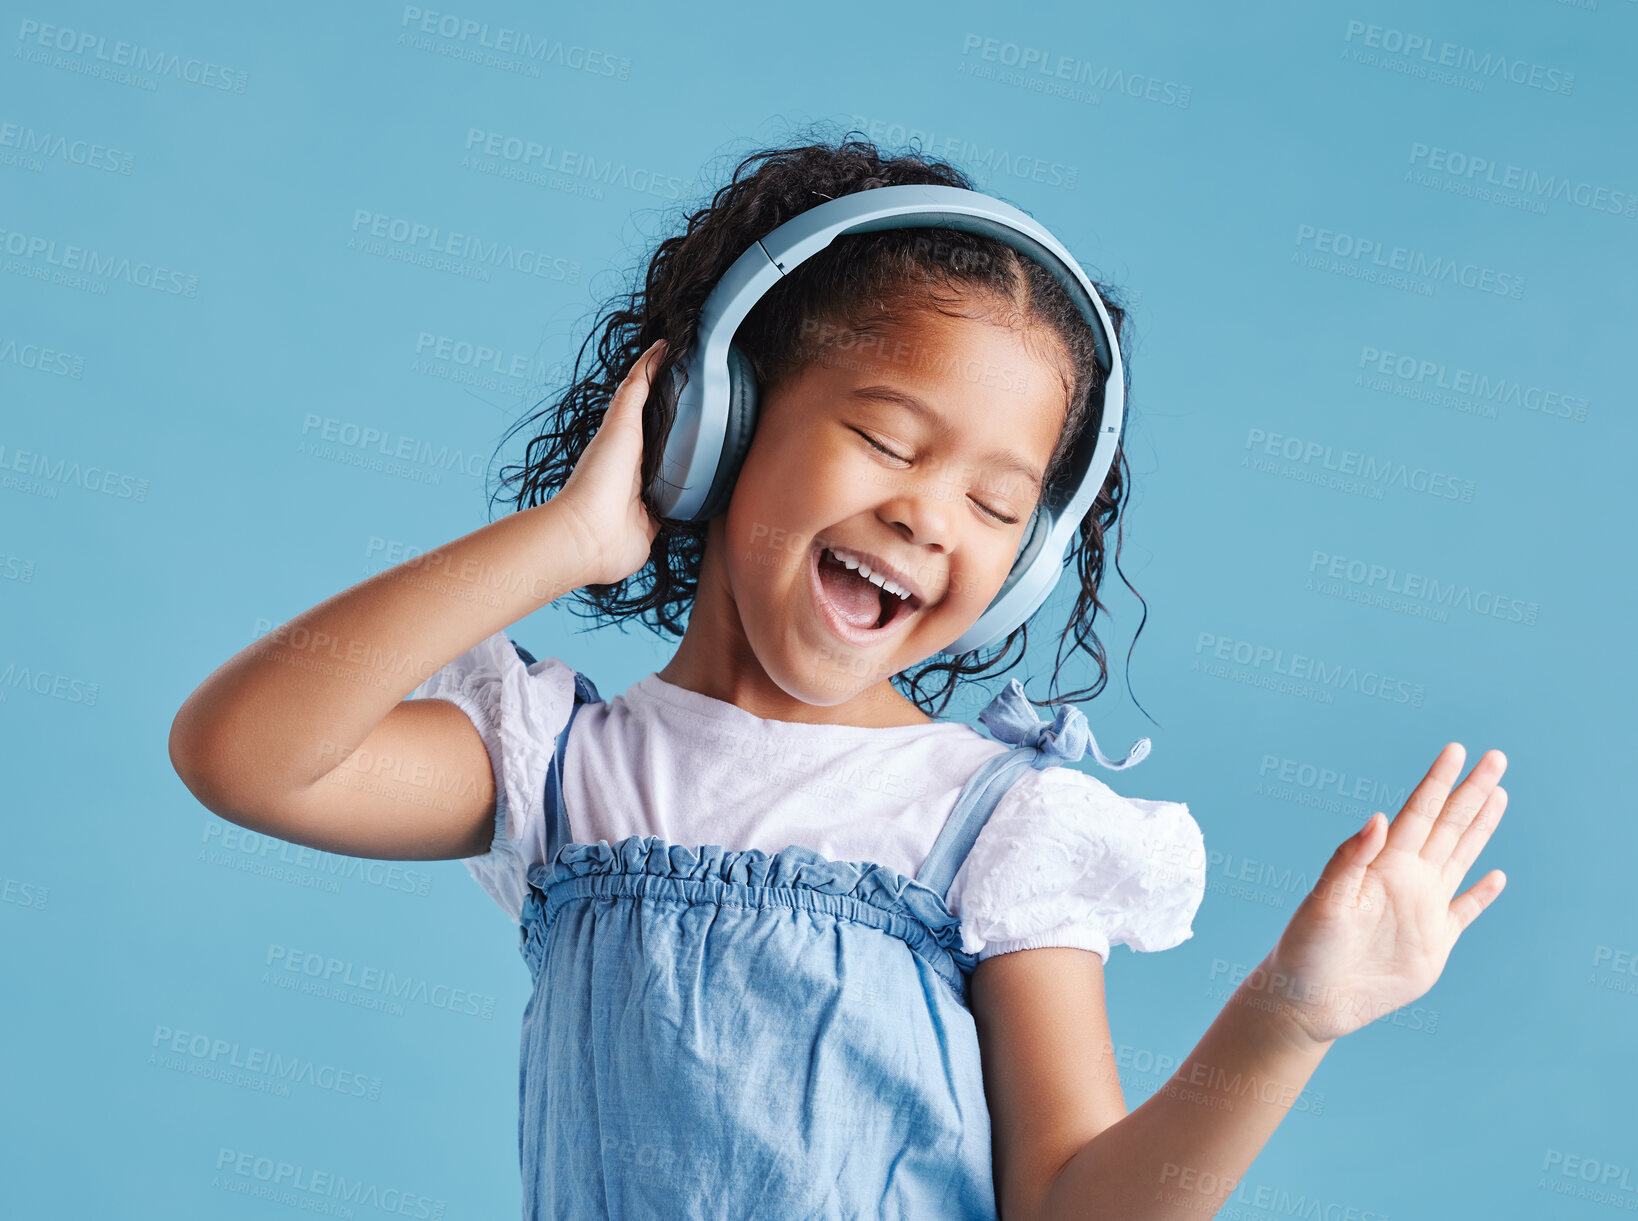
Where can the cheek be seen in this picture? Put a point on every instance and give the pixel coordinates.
(767, 546)
(787, 493)
(976, 585)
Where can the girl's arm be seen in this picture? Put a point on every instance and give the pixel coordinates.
(1373, 935)
(305, 734)
(1065, 1146)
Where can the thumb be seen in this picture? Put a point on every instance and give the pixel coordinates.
(622, 422)
(1340, 880)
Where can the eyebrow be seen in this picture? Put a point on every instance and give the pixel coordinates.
(1006, 458)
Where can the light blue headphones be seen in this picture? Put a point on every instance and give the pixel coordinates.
(716, 406)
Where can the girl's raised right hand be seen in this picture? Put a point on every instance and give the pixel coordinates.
(604, 492)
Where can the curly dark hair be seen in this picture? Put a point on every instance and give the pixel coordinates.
(859, 282)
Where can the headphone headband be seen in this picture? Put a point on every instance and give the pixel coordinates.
(715, 412)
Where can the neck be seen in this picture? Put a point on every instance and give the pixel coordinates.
(704, 670)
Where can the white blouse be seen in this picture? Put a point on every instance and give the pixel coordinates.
(1064, 860)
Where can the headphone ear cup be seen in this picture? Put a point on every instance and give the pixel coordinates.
(1035, 533)
(736, 433)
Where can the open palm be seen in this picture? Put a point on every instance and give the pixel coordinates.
(1376, 930)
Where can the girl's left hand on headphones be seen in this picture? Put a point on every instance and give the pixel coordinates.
(1376, 930)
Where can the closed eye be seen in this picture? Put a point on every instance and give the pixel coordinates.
(877, 445)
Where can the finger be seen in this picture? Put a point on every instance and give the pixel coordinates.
(647, 358)
(643, 367)
(1410, 828)
(624, 414)
(1474, 839)
(1340, 880)
(1462, 806)
(1467, 906)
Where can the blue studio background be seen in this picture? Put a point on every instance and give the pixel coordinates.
(1379, 258)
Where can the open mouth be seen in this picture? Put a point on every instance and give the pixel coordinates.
(855, 607)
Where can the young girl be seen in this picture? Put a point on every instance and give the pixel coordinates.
(800, 947)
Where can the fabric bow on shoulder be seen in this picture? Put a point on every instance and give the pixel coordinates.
(1010, 717)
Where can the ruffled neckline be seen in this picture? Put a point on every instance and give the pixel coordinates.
(794, 867)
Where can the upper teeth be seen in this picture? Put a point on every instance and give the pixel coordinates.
(863, 570)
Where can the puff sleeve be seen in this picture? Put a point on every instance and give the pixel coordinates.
(1064, 860)
(518, 709)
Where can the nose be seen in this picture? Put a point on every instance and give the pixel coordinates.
(920, 509)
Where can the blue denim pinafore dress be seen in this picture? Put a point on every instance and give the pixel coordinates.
(717, 1033)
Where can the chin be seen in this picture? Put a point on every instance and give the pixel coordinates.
(820, 683)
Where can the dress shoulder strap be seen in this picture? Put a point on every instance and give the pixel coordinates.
(1038, 744)
(557, 819)
(978, 800)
